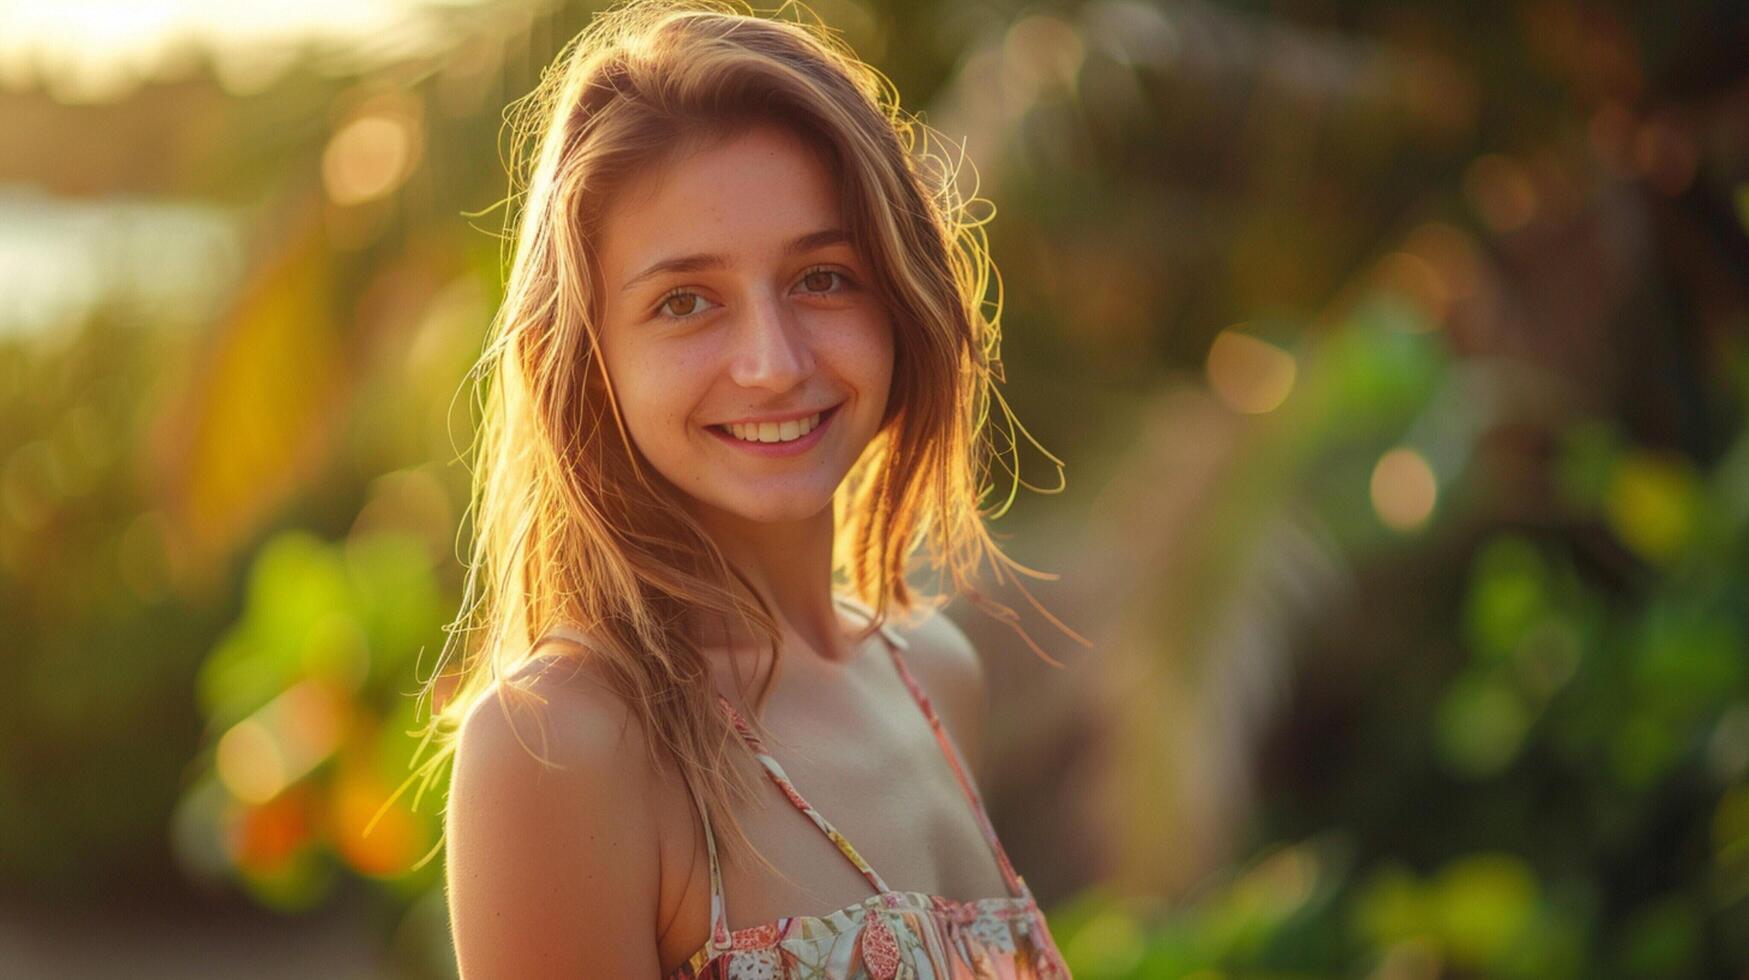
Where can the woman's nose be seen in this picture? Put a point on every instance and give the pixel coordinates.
(771, 347)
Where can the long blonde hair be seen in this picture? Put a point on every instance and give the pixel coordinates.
(568, 527)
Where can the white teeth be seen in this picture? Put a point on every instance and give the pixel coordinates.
(774, 431)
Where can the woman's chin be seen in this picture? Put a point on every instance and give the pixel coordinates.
(774, 508)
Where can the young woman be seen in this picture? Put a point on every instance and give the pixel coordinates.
(742, 354)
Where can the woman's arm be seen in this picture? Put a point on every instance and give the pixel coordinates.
(553, 872)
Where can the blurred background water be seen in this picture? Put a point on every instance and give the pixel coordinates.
(1396, 352)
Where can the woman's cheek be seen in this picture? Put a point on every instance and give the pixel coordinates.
(645, 399)
(876, 350)
(855, 330)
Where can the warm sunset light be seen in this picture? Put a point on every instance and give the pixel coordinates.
(97, 50)
(1306, 444)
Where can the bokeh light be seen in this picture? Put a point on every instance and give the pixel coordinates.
(1249, 374)
(372, 153)
(1403, 489)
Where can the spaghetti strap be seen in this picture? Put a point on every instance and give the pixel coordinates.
(1016, 884)
(720, 934)
(719, 938)
(778, 776)
(891, 934)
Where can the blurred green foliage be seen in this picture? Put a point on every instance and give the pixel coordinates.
(1461, 289)
(1568, 801)
(309, 688)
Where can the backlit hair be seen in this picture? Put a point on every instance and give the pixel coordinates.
(570, 527)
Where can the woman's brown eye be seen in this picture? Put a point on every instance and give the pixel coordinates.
(690, 299)
(819, 281)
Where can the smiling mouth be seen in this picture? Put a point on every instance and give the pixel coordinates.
(793, 430)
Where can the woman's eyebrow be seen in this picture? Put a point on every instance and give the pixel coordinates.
(697, 263)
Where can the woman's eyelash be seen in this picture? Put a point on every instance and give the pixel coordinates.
(662, 304)
(845, 279)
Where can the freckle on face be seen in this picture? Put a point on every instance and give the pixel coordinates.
(764, 342)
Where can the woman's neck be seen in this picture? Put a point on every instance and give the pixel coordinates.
(789, 566)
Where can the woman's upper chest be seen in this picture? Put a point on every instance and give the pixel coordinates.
(859, 749)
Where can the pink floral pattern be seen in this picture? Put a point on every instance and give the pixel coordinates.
(936, 938)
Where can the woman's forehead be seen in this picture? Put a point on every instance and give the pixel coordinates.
(752, 194)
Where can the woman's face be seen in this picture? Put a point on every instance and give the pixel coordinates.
(749, 354)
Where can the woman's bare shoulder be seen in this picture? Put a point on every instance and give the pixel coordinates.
(553, 860)
(558, 696)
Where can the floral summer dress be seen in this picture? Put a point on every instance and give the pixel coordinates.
(890, 935)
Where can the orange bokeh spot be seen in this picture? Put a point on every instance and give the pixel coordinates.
(265, 837)
(392, 844)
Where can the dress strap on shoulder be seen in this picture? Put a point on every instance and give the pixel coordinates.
(719, 938)
(1016, 884)
(886, 630)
